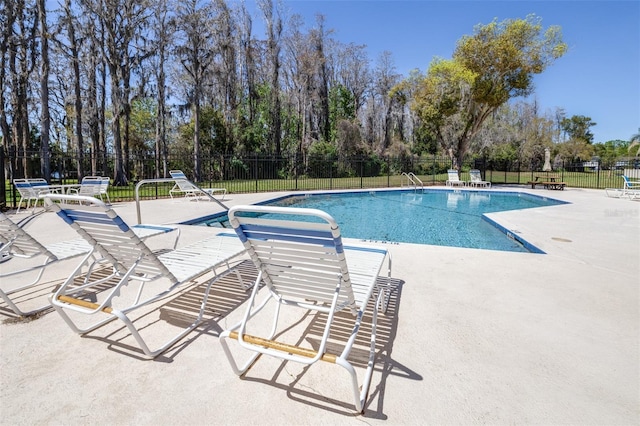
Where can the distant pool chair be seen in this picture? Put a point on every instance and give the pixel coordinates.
(453, 179)
(630, 188)
(89, 187)
(30, 190)
(476, 179)
(191, 191)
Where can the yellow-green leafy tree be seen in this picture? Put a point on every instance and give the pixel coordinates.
(490, 67)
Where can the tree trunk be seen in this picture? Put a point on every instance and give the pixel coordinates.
(75, 58)
(120, 177)
(45, 120)
(196, 138)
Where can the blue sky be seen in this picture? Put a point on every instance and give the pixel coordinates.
(598, 77)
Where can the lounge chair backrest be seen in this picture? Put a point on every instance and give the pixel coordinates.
(104, 184)
(182, 181)
(24, 188)
(18, 242)
(41, 186)
(300, 260)
(453, 175)
(475, 175)
(111, 236)
(90, 186)
(178, 174)
(30, 189)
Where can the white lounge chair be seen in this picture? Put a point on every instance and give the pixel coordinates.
(305, 265)
(27, 194)
(30, 190)
(191, 191)
(89, 187)
(104, 188)
(130, 261)
(630, 188)
(21, 253)
(454, 179)
(476, 179)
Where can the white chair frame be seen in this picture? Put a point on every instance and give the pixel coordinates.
(304, 265)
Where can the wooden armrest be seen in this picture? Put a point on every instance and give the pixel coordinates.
(83, 303)
(296, 350)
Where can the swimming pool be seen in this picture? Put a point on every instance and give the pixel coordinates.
(437, 217)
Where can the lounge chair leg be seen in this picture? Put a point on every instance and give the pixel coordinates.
(143, 345)
(234, 366)
(19, 311)
(361, 394)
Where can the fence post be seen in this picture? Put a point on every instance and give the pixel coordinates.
(433, 169)
(255, 168)
(388, 173)
(13, 164)
(3, 189)
(330, 172)
(295, 169)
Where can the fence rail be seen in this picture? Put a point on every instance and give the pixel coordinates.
(262, 173)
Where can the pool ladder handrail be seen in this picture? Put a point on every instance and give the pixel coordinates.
(413, 180)
(160, 180)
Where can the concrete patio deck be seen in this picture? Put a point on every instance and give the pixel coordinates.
(471, 337)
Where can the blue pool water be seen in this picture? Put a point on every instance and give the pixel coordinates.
(437, 217)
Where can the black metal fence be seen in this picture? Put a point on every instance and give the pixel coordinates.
(265, 172)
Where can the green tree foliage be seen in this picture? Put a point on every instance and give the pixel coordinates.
(142, 130)
(635, 142)
(576, 149)
(213, 134)
(578, 127)
(341, 107)
(608, 152)
(319, 153)
(251, 132)
(494, 65)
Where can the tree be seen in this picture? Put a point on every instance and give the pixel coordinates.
(196, 54)
(299, 79)
(226, 69)
(122, 22)
(274, 34)
(341, 107)
(578, 127)
(576, 149)
(45, 117)
(163, 29)
(635, 141)
(20, 57)
(516, 127)
(320, 35)
(488, 69)
(96, 93)
(610, 151)
(353, 72)
(7, 18)
(385, 78)
(402, 93)
(74, 56)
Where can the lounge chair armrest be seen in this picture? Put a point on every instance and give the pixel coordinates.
(284, 347)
